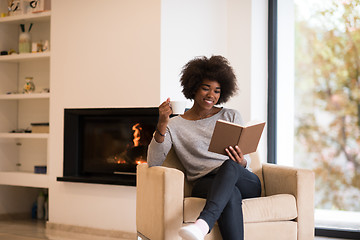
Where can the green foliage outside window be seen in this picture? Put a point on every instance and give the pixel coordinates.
(327, 105)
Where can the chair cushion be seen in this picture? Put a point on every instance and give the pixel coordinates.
(281, 207)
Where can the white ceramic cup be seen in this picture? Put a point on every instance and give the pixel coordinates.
(178, 107)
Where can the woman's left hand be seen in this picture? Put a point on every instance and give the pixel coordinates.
(236, 155)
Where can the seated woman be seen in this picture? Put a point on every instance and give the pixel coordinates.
(224, 181)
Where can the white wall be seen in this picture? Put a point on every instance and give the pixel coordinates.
(102, 55)
(232, 28)
(189, 29)
(130, 53)
(247, 52)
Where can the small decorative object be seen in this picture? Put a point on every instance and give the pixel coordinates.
(45, 90)
(38, 5)
(40, 169)
(12, 51)
(25, 39)
(37, 47)
(40, 46)
(34, 47)
(15, 8)
(29, 86)
(46, 46)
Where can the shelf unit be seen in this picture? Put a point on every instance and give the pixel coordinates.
(20, 152)
(24, 179)
(29, 17)
(24, 57)
(24, 96)
(25, 135)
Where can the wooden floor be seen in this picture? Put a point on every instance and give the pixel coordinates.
(35, 230)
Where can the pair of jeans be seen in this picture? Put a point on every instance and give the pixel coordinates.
(224, 192)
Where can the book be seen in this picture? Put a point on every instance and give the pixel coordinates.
(230, 134)
(40, 127)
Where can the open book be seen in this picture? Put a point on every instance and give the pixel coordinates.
(230, 134)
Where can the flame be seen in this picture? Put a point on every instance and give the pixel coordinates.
(140, 160)
(136, 128)
(119, 160)
(136, 141)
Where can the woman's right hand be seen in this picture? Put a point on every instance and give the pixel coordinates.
(164, 112)
(164, 115)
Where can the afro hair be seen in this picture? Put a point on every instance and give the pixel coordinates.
(215, 68)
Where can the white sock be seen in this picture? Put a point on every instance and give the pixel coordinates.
(204, 227)
(196, 231)
(191, 232)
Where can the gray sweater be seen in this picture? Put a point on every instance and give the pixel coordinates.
(190, 140)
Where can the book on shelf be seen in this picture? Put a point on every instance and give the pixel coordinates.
(40, 127)
(230, 134)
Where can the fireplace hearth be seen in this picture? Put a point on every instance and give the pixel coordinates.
(104, 145)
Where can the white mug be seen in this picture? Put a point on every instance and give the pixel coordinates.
(178, 107)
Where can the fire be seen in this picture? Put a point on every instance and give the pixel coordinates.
(124, 156)
(136, 128)
(140, 160)
(119, 160)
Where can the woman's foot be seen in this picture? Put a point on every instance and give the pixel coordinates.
(191, 232)
(196, 231)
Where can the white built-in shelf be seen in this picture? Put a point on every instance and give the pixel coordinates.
(24, 57)
(24, 96)
(20, 178)
(24, 179)
(29, 17)
(24, 135)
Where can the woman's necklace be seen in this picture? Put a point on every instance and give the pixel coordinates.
(192, 114)
(206, 115)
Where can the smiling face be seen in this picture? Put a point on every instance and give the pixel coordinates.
(208, 94)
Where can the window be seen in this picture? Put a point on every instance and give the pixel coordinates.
(318, 102)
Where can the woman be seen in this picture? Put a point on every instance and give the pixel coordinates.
(222, 180)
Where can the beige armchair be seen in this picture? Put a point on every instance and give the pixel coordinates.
(284, 211)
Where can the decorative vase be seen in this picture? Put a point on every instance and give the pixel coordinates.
(29, 86)
(25, 42)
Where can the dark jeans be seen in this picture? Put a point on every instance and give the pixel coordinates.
(224, 192)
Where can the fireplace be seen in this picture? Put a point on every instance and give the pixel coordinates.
(104, 145)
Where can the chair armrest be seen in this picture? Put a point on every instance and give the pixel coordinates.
(159, 201)
(301, 184)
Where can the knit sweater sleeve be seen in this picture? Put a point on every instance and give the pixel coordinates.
(157, 152)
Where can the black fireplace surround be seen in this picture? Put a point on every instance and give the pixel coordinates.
(104, 145)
